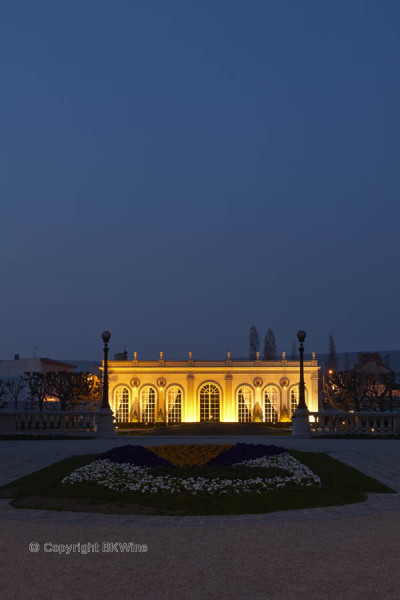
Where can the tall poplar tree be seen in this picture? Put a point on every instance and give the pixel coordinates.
(331, 363)
(254, 343)
(269, 345)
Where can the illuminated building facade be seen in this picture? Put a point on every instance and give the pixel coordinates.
(194, 391)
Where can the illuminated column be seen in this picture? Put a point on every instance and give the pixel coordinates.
(227, 409)
(133, 403)
(313, 404)
(161, 402)
(285, 398)
(257, 402)
(191, 414)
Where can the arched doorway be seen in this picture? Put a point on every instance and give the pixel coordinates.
(295, 397)
(148, 404)
(271, 402)
(245, 403)
(174, 404)
(209, 402)
(121, 403)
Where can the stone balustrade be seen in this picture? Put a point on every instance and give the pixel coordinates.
(354, 423)
(54, 423)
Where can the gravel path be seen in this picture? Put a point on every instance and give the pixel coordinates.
(346, 558)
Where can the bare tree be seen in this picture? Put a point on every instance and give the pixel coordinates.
(89, 390)
(380, 390)
(254, 343)
(14, 390)
(60, 384)
(269, 345)
(360, 390)
(71, 389)
(38, 389)
(3, 395)
(346, 390)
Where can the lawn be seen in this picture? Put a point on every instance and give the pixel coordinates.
(341, 485)
(208, 428)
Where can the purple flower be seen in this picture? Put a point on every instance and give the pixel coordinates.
(135, 455)
(241, 452)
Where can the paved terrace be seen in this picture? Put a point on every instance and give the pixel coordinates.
(328, 553)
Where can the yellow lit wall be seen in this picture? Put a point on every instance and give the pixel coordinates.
(227, 376)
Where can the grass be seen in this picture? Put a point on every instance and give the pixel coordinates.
(341, 485)
(32, 436)
(172, 433)
(204, 429)
(360, 436)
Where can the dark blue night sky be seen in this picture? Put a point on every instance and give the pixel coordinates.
(178, 171)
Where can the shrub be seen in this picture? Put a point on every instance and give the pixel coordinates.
(285, 415)
(258, 415)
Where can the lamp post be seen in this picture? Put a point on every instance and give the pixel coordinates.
(301, 424)
(105, 416)
(106, 335)
(301, 336)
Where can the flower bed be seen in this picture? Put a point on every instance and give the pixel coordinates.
(190, 454)
(252, 469)
(135, 455)
(242, 452)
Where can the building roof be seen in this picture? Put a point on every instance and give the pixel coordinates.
(371, 364)
(257, 364)
(58, 363)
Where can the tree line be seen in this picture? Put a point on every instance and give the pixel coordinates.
(357, 391)
(33, 390)
(354, 389)
(346, 389)
(269, 349)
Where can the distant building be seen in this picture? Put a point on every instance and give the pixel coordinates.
(192, 390)
(19, 366)
(85, 366)
(374, 367)
(371, 363)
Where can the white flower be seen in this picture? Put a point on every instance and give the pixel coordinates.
(128, 477)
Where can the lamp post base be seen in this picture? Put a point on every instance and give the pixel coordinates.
(105, 423)
(301, 424)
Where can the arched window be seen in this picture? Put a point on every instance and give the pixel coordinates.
(294, 397)
(209, 402)
(271, 400)
(245, 403)
(148, 404)
(174, 403)
(121, 402)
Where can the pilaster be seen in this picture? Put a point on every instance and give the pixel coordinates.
(257, 401)
(227, 408)
(161, 403)
(190, 409)
(313, 404)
